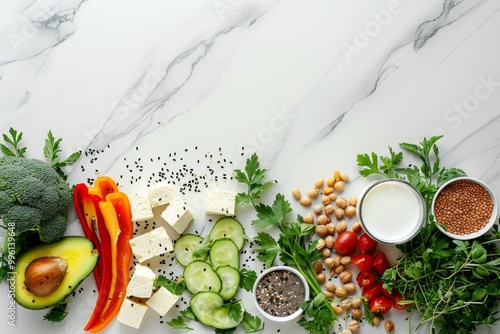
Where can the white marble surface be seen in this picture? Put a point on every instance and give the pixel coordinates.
(305, 84)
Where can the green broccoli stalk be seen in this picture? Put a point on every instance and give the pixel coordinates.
(34, 196)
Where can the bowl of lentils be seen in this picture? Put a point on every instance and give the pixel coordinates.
(464, 208)
(279, 292)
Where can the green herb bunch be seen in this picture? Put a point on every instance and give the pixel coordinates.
(454, 285)
(291, 246)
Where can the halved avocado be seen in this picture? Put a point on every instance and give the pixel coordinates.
(71, 260)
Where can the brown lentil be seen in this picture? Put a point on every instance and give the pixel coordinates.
(464, 207)
(280, 293)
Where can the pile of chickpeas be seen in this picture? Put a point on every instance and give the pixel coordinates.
(330, 212)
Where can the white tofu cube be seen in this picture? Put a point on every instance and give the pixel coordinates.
(141, 207)
(151, 244)
(131, 313)
(221, 202)
(160, 194)
(162, 301)
(177, 215)
(141, 283)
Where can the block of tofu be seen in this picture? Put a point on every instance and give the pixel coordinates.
(141, 207)
(221, 202)
(151, 244)
(131, 313)
(162, 301)
(160, 194)
(178, 215)
(141, 283)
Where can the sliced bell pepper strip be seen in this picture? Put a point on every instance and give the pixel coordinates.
(117, 203)
(107, 270)
(87, 217)
(103, 186)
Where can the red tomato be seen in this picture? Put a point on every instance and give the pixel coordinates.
(386, 292)
(346, 243)
(365, 278)
(395, 299)
(372, 291)
(366, 244)
(381, 263)
(380, 305)
(364, 262)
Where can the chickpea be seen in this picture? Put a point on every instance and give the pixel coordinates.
(321, 278)
(339, 186)
(305, 201)
(296, 193)
(321, 244)
(345, 260)
(319, 183)
(350, 287)
(389, 326)
(332, 197)
(340, 292)
(328, 294)
(341, 203)
(331, 228)
(325, 200)
(329, 209)
(339, 213)
(356, 313)
(376, 321)
(329, 241)
(354, 326)
(322, 220)
(357, 302)
(313, 193)
(346, 304)
(321, 230)
(337, 309)
(325, 253)
(329, 262)
(345, 276)
(353, 200)
(308, 218)
(341, 226)
(356, 227)
(330, 286)
(350, 211)
(318, 267)
(318, 209)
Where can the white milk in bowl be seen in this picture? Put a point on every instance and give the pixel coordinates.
(391, 211)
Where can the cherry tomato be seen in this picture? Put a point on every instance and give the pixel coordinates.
(381, 263)
(395, 299)
(364, 262)
(346, 243)
(366, 244)
(380, 305)
(365, 278)
(386, 292)
(372, 291)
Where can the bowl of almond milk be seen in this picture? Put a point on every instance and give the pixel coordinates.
(391, 211)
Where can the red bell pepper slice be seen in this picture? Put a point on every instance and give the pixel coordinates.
(88, 213)
(116, 210)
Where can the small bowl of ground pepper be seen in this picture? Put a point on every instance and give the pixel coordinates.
(279, 292)
(464, 208)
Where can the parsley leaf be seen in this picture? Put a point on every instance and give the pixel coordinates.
(51, 151)
(178, 323)
(175, 287)
(252, 177)
(247, 279)
(58, 313)
(252, 323)
(13, 141)
(267, 249)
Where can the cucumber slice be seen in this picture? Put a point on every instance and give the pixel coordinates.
(184, 248)
(200, 276)
(230, 278)
(224, 252)
(228, 227)
(209, 309)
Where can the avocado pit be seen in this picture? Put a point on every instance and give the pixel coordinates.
(44, 275)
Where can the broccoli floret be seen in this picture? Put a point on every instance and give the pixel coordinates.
(33, 197)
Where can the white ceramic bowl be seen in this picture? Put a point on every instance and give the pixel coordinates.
(391, 211)
(277, 318)
(486, 228)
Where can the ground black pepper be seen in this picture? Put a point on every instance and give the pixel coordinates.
(280, 293)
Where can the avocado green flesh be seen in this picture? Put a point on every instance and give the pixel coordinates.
(81, 258)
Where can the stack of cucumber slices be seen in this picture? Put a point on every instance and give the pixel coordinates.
(213, 276)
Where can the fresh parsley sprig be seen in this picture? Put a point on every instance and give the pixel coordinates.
(290, 247)
(175, 287)
(13, 141)
(51, 151)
